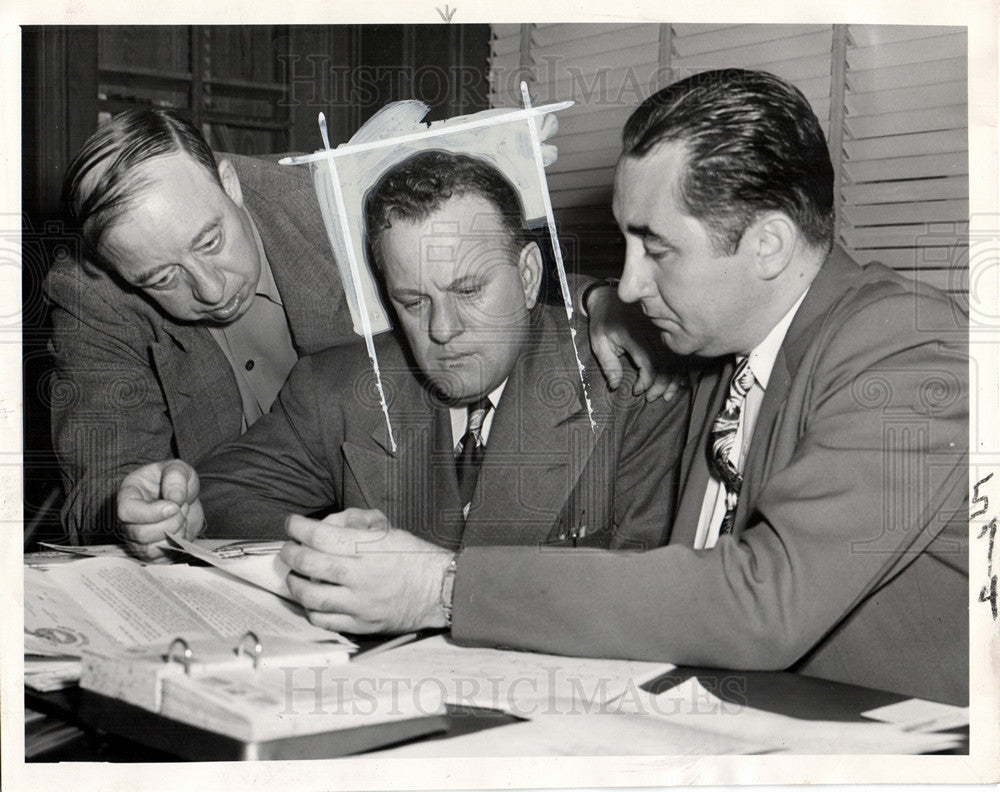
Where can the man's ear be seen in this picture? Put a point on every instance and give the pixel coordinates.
(774, 238)
(230, 181)
(529, 267)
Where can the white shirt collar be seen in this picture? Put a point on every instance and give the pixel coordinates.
(460, 415)
(763, 356)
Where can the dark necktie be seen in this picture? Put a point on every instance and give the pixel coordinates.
(471, 450)
(724, 436)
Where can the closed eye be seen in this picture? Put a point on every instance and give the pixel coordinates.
(211, 243)
(165, 281)
(410, 304)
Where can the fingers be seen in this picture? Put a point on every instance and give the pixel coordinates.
(658, 388)
(648, 375)
(341, 622)
(316, 564)
(607, 355)
(134, 508)
(179, 482)
(342, 532)
(331, 607)
(676, 385)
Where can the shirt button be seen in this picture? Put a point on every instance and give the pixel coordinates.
(249, 365)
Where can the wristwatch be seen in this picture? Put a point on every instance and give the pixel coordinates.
(448, 590)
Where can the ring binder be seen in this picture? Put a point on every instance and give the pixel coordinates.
(258, 648)
(186, 656)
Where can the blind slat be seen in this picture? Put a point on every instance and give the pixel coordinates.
(603, 157)
(694, 29)
(797, 47)
(880, 35)
(905, 145)
(594, 196)
(954, 164)
(583, 38)
(732, 38)
(938, 118)
(904, 99)
(910, 74)
(579, 84)
(917, 212)
(908, 191)
(955, 282)
(910, 261)
(891, 237)
(641, 65)
(581, 179)
(952, 45)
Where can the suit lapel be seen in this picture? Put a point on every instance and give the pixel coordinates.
(414, 485)
(832, 281)
(199, 389)
(540, 442)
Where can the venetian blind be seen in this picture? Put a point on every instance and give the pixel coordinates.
(904, 180)
(891, 100)
(606, 69)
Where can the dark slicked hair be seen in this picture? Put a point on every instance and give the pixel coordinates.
(420, 185)
(753, 145)
(101, 182)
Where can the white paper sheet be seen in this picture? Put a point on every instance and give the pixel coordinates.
(525, 684)
(690, 704)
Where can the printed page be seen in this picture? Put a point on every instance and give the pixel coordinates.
(231, 607)
(105, 604)
(265, 570)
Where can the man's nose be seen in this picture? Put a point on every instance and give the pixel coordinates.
(444, 323)
(208, 282)
(635, 281)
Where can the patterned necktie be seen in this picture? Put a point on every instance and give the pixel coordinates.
(472, 448)
(724, 437)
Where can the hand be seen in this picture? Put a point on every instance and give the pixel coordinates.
(158, 499)
(353, 572)
(617, 328)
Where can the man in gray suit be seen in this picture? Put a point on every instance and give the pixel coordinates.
(202, 283)
(492, 441)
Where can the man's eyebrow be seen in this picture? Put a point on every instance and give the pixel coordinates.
(464, 282)
(644, 231)
(405, 293)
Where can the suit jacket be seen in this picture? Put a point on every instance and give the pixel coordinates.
(131, 385)
(325, 446)
(850, 560)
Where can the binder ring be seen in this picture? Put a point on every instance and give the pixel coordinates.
(256, 649)
(186, 654)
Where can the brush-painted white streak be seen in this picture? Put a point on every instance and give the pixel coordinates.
(359, 295)
(536, 147)
(434, 131)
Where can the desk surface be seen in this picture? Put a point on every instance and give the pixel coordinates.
(143, 739)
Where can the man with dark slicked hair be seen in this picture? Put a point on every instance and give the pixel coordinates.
(822, 518)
